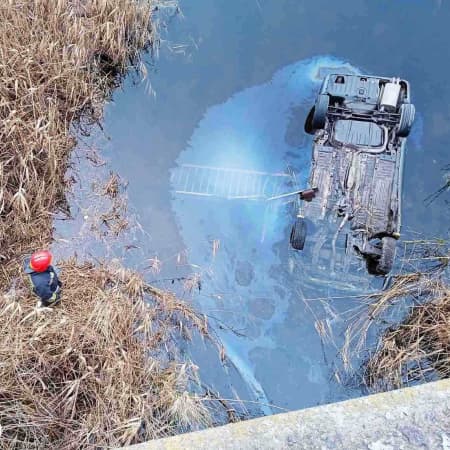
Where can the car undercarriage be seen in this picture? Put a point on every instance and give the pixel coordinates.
(360, 126)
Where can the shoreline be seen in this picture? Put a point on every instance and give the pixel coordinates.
(104, 363)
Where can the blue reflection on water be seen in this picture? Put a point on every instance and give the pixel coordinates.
(251, 282)
(249, 132)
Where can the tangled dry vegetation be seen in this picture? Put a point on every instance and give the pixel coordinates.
(414, 348)
(419, 348)
(97, 372)
(59, 62)
(102, 369)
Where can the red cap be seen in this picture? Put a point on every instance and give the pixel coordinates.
(41, 260)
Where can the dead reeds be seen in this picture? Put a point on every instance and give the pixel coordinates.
(411, 318)
(101, 369)
(59, 62)
(417, 349)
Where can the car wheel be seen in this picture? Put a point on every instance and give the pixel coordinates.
(309, 122)
(320, 111)
(386, 261)
(407, 114)
(298, 234)
(371, 263)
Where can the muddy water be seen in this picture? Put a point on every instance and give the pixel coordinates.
(231, 90)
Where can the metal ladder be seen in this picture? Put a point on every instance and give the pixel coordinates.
(207, 181)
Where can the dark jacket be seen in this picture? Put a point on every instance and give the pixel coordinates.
(46, 285)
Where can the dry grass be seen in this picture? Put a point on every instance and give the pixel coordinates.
(59, 62)
(418, 349)
(413, 348)
(102, 369)
(99, 371)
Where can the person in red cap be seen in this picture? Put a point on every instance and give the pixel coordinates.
(43, 277)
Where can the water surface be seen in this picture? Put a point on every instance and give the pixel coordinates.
(232, 86)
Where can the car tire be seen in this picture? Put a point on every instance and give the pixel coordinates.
(386, 261)
(320, 111)
(309, 129)
(298, 234)
(407, 114)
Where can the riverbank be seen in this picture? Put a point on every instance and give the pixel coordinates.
(410, 320)
(60, 63)
(103, 368)
(417, 349)
(100, 370)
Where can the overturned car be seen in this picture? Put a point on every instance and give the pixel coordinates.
(360, 124)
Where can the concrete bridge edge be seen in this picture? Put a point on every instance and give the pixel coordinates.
(409, 419)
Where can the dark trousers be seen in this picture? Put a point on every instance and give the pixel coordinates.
(53, 300)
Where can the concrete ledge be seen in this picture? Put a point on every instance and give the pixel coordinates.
(412, 418)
